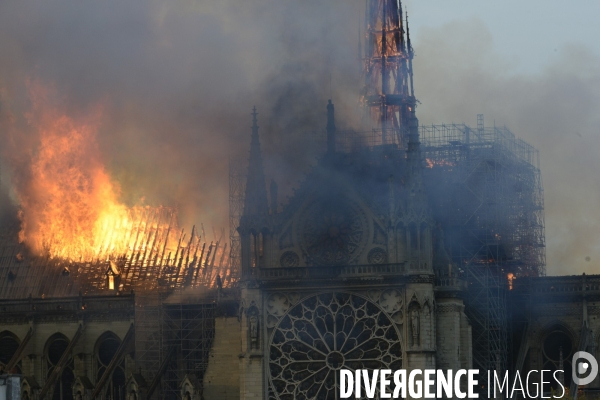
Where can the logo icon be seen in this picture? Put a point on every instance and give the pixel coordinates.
(582, 361)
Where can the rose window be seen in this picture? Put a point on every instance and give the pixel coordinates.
(333, 233)
(324, 333)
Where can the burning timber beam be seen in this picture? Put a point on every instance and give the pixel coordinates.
(115, 361)
(15, 358)
(61, 363)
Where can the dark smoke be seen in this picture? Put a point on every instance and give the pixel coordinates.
(177, 80)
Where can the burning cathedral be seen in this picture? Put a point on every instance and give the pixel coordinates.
(406, 247)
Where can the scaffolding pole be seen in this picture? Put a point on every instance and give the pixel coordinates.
(237, 175)
(190, 330)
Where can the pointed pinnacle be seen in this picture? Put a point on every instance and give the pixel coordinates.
(254, 119)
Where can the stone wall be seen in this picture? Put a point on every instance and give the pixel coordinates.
(222, 378)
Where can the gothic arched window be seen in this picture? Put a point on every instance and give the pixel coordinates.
(557, 350)
(9, 343)
(55, 348)
(105, 350)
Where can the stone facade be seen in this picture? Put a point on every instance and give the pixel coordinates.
(344, 276)
(94, 327)
(222, 378)
(352, 272)
(562, 318)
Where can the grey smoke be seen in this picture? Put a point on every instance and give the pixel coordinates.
(178, 79)
(460, 75)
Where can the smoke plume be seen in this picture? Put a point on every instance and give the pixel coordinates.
(459, 75)
(176, 81)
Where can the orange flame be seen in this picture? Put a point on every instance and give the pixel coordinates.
(70, 206)
(511, 278)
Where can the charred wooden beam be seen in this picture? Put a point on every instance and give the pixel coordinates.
(209, 279)
(199, 266)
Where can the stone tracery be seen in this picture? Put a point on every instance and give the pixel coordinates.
(333, 233)
(324, 333)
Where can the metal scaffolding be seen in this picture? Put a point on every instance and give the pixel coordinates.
(486, 192)
(388, 94)
(492, 203)
(148, 264)
(148, 339)
(237, 186)
(189, 330)
(173, 339)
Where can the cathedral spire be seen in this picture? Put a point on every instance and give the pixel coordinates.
(330, 128)
(255, 200)
(411, 55)
(388, 93)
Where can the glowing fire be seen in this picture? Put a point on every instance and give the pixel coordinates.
(70, 206)
(70, 210)
(511, 278)
(430, 163)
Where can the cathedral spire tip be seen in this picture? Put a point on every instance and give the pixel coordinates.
(254, 117)
(255, 202)
(330, 127)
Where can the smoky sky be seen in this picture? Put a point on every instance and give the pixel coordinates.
(176, 82)
(555, 110)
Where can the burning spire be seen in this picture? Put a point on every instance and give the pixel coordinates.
(388, 94)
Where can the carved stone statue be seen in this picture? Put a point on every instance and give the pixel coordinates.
(253, 322)
(415, 326)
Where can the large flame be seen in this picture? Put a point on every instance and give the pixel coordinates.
(70, 206)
